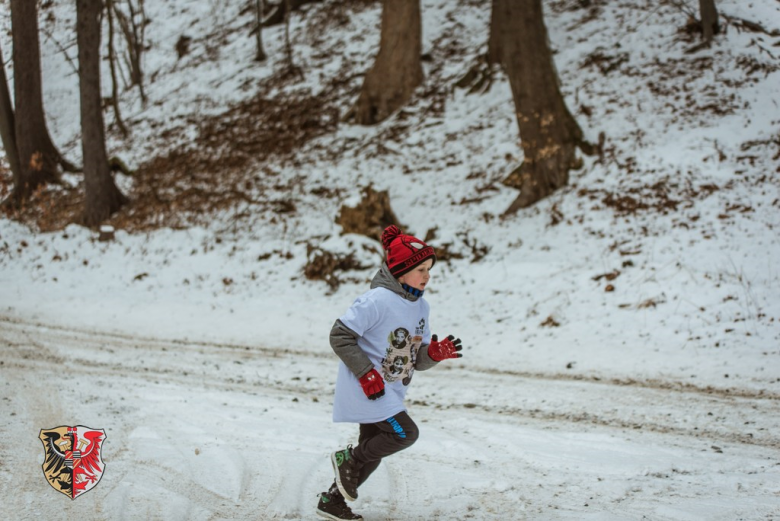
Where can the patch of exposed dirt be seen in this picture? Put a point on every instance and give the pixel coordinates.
(221, 168)
(370, 216)
(329, 267)
(604, 61)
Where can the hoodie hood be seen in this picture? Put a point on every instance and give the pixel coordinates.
(385, 279)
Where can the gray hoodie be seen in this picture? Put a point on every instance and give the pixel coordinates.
(344, 341)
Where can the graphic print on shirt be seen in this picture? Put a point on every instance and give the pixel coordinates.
(401, 355)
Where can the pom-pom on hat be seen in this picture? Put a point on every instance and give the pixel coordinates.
(404, 252)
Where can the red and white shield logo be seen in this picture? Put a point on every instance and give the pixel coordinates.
(73, 462)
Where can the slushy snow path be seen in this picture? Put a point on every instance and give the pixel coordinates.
(204, 431)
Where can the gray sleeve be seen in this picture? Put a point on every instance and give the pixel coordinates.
(424, 362)
(344, 343)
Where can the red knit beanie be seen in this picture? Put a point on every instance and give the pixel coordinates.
(404, 252)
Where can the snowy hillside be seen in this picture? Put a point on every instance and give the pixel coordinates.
(622, 337)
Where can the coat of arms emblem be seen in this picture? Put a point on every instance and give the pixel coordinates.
(73, 463)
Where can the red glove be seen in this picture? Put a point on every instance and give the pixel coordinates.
(373, 384)
(447, 348)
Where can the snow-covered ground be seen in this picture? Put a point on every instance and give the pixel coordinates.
(199, 430)
(203, 351)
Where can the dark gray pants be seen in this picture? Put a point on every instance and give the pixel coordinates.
(381, 439)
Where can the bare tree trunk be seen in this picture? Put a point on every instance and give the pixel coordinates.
(38, 157)
(709, 20)
(7, 130)
(397, 70)
(494, 43)
(260, 56)
(548, 132)
(102, 196)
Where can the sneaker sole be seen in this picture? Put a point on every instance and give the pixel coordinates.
(338, 479)
(326, 515)
(331, 516)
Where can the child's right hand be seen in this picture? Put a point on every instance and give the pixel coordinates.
(373, 384)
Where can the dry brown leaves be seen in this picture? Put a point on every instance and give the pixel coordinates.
(664, 196)
(221, 167)
(370, 217)
(326, 266)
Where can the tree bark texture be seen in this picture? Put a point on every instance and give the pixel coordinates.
(7, 125)
(549, 134)
(102, 197)
(709, 19)
(38, 157)
(397, 70)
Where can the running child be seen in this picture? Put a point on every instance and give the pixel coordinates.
(382, 339)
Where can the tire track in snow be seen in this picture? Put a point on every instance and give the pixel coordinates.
(97, 337)
(51, 360)
(662, 407)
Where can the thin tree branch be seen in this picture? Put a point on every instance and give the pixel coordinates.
(112, 64)
(51, 37)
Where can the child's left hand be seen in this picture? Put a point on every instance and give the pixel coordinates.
(447, 348)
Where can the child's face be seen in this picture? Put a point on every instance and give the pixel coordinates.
(418, 278)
